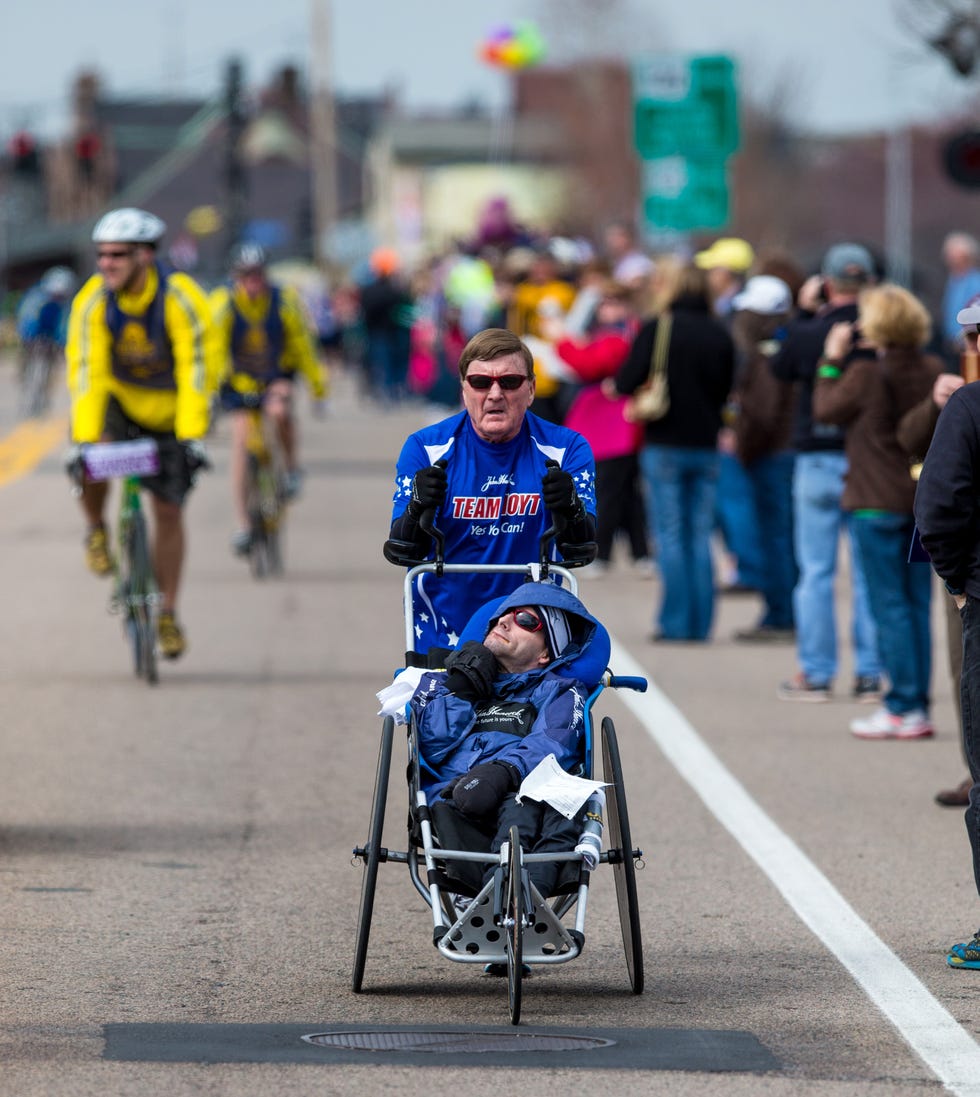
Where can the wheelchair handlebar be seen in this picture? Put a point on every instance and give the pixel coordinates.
(625, 681)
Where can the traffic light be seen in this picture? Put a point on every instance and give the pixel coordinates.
(23, 153)
(961, 158)
(87, 149)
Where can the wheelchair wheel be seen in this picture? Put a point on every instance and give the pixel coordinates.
(514, 924)
(372, 854)
(621, 845)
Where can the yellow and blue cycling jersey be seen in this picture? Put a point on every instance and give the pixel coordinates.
(263, 338)
(154, 351)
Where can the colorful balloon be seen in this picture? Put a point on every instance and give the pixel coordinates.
(513, 47)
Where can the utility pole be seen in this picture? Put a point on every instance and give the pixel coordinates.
(898, 205)
(236, 183)
(323, 131)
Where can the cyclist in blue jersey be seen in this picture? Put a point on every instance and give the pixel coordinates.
(42, 318)
(496, 476)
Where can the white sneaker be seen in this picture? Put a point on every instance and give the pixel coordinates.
(645, 567)
(598, 569)
(882, 724)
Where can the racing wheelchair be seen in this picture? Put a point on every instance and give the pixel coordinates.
(505, 923)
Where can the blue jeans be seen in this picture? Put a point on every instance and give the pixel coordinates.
(899, 598)
(739, 521)
(771, 478)
(682, 484)
(970, 708)
(818, 483)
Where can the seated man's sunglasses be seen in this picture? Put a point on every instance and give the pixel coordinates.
(526, 620)
(509, 382)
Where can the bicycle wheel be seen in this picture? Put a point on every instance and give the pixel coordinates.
(372, 854)
(34, 395)
(256, 524)
(514, 922)
(142, 589)
(273, 513)
(621, 855)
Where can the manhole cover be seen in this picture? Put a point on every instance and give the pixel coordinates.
(469, 1042)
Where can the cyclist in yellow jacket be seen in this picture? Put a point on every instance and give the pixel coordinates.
(264, 340)
(140, 355)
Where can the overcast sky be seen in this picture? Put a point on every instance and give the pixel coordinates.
(847, 63)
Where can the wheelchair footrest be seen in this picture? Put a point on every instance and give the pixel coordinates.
(474, 938)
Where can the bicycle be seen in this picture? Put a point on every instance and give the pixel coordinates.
(135, 594)
(39, 356)
(265, 493)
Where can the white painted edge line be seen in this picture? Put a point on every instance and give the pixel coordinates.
(927, 1026)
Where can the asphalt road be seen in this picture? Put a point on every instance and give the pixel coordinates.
(178, 903)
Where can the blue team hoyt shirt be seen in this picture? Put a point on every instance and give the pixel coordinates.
(493, 512)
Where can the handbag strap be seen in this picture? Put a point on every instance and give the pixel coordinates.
(661, 344)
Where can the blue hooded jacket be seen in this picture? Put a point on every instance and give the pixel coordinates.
(531, 714)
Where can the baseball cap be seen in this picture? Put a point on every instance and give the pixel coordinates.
(764, 294)
(970, 313)
(729, 252)
(848, 261)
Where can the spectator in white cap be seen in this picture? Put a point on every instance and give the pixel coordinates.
(763, 426)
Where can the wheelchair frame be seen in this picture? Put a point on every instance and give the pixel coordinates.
(508, 923)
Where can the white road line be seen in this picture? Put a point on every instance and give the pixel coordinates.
(928, 1027)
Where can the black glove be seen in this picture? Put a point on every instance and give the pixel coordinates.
(558, 493)
(472, 670)
(195, 457)
(481, 791)
(428, 489)
(75, 465)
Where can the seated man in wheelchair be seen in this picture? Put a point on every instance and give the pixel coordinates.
(499, 708)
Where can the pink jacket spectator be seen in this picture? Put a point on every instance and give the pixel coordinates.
(599, 419)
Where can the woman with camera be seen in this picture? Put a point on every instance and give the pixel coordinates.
(870, 398)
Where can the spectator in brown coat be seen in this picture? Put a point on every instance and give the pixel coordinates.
(869, 398)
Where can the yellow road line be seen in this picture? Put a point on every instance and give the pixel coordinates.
(28, 444)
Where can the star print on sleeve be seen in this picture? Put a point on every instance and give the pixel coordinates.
(453, 638)
(585, 486)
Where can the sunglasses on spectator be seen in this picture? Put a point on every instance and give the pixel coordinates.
(114, 253)
(509, 382)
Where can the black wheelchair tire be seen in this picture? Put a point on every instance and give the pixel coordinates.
(621, 844)
(372, 857)
(513, 912)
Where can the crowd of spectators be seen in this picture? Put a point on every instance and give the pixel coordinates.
(800, 399)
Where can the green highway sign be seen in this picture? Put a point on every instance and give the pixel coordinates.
(684, 195)
(685, 106)
(685, 127)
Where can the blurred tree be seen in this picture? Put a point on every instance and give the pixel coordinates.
(950, 27)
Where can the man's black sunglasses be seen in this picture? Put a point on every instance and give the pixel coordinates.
(527, 621)
(509, 382)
